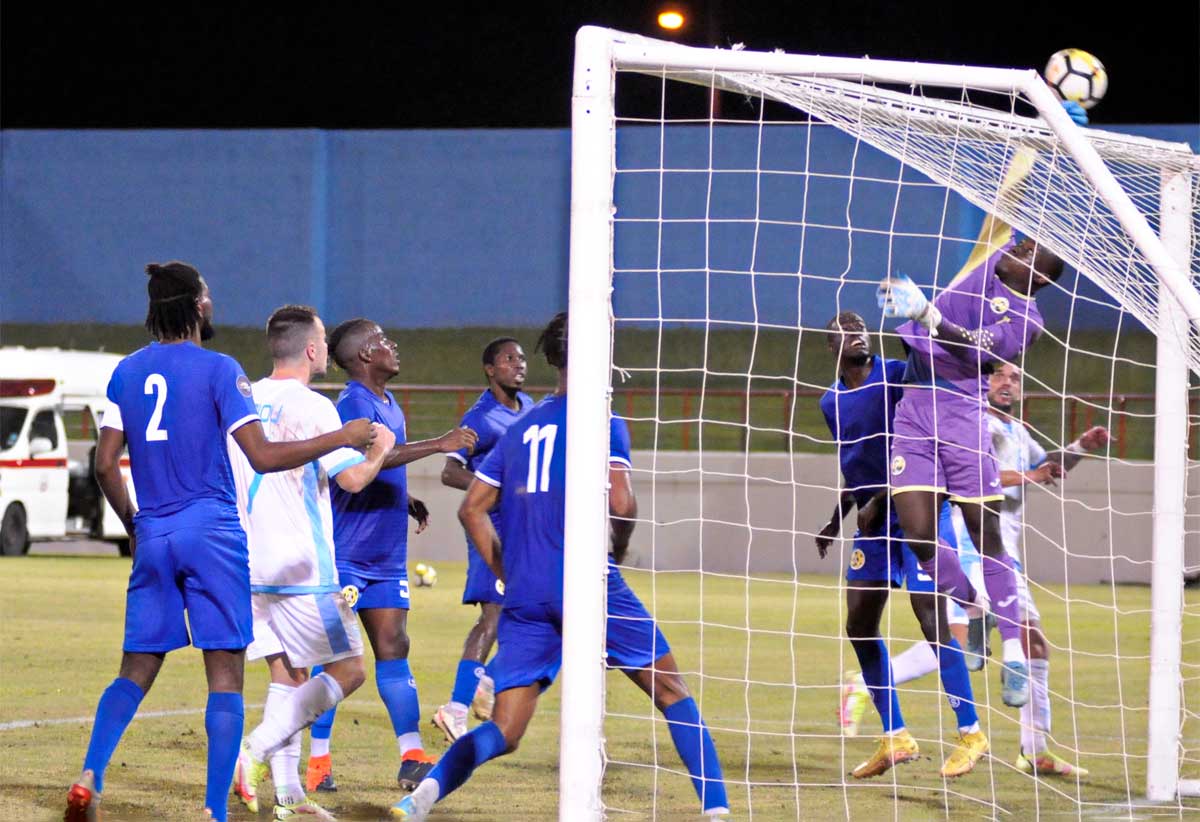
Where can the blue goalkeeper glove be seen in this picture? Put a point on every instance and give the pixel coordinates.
(1078, 113)
(899, 296)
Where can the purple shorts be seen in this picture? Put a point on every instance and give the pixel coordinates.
(941, 443)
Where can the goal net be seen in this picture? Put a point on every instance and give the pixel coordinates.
(726, 205)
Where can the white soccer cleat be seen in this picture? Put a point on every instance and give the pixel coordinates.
(450, 721)
(484, 700)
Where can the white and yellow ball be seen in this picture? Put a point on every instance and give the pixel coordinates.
(1074, 74)
(425, 575)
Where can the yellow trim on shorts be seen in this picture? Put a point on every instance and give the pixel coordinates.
(988, 498)
(937, 489)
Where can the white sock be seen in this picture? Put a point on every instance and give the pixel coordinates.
(457, 707)
(1012, 650)
(1032, 740)
(297, 712)
(894, 731)
(1039, 675)
(318, 747)
(426, 794)
(969, 729)
(916, 661)
(410, 742)
(285, 762)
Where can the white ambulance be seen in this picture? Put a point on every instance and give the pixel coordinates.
(50, 406)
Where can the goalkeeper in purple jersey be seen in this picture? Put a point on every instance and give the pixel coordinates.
(986, 316)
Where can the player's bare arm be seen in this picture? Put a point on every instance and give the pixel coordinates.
(456, 439)
(1089, 442)
(108, 475)
(830, 530)
(1044, 474)
(473, 514)
(622, 510)
(357, 477)
(456, 475)
(266, 456)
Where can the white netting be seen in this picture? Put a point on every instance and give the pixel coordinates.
(741, 227)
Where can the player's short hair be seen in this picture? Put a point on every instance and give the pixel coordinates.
(173, 290)
(493, 348)
(553, 341)
(835, 325)
(345, 340)
(289, 330)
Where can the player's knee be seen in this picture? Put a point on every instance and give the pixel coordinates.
(349, 673)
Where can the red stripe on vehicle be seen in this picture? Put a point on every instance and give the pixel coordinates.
(34, 463)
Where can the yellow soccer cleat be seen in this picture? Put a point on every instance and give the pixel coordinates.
(962, 760)
(892, 750)
(247, 775)
(1049, 764)
(855, 698)
(302, 808)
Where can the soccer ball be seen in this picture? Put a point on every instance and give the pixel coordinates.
(1076, 75)
(425, 575)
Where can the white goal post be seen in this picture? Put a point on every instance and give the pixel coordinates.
(1163, 298)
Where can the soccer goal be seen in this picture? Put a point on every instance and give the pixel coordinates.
(725, 205)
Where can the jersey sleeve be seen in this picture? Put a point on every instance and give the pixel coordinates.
(353, 408)
(233, 395)
(112, 410)
(618, 442)
(491, 470)
(326, 421)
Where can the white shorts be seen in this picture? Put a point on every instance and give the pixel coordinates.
(310, 629)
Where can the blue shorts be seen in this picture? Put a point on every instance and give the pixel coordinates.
(375, 593)
(206, 574)
(482, 585)
(889, 559)
(530, 638)
(632, 638)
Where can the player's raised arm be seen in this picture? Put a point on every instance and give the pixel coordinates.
(266, 456)
(357, 477)
(473, 514)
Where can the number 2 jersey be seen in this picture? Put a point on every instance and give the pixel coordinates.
(176, 404)
(287, 515)
(528, 465)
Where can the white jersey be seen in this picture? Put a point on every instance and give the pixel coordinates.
(1015, 450)
(287, 515)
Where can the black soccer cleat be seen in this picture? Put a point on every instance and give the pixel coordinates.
(414, 767)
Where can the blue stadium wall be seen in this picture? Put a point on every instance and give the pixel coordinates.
(452, 228)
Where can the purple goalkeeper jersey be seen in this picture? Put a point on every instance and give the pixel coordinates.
(1006, 321)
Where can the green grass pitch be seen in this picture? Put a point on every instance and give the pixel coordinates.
(771, 653)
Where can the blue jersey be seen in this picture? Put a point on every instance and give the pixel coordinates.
(860, 420)
(528, 465)
(176, 403)
(370, 528)
(489, 419)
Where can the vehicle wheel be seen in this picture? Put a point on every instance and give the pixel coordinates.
(14, 532)
(123, 547)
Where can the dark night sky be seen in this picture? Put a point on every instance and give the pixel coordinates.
(504, 65)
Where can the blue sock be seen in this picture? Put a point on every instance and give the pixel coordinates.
(398, 690)
(467, 753)
(223, 720)
(323, 727)
(118, 704)
(466, 681)
(877, 673)
(957, 682)
(695, 746)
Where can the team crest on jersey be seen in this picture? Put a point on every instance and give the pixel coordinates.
(500, 587)
(243, 385)
(857, 559)
(898, 464)
(999, 304)
(350, 594)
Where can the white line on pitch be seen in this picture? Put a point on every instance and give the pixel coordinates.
(37, 723)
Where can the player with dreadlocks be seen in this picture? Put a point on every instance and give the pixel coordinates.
(173, 403)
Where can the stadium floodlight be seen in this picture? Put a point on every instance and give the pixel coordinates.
(692, 235)
(670, 20)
